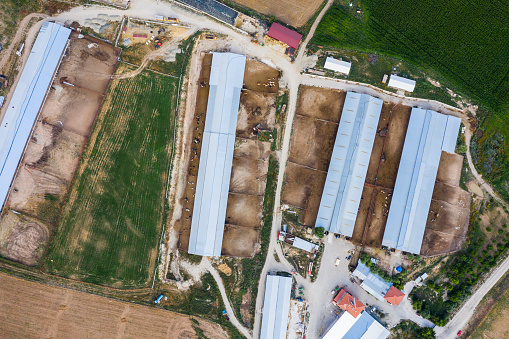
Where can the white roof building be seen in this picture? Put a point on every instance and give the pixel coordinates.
(401, 83)
(27, 100)
(428, 134)
(276, 307)
(362, 327)
(338, 65)
(371, 283)
(207, 226)
(349, 164)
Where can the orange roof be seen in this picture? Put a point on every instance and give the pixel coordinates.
(394, 296)
(346, 302)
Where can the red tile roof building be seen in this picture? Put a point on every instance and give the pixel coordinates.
(346, 302)
(286, 35)
(394, 296)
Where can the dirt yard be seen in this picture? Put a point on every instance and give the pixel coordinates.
(35, 310)
(55, 147)
(250, 161)
(314, 132)
(381, 175)
(449, 213)
(292, 12)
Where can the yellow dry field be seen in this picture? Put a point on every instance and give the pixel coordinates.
(36, 310)
(293, 12)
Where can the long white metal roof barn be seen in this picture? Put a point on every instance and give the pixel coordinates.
(207, 226)
(27, 100)
(398, 82)
(429, 133)
(276, 307)
(362, 327)
(338, 65)
(349, 163)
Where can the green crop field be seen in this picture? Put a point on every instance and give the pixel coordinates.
(109, 228)
(465, 41)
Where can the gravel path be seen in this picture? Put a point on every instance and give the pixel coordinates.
(292, 77)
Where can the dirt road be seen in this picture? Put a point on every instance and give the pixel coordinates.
(464, 314)
(239, 43)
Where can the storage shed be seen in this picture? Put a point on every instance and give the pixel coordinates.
(286, 35)
(338, 65)
(401, 83)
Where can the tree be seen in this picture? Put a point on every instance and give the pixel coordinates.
(426, 333)
(411, 256)
(319, 232)
(365, 257)
(454, 280)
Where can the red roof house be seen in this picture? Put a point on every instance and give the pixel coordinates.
(394, 296)
(346, 302)
(286, 35)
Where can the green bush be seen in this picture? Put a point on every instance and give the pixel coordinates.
(365, 258)
(319, 232)
(489, 229)
(501, 232)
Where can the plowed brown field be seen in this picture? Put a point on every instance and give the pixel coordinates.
(35, 310)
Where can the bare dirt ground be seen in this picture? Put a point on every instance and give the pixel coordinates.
(295, 13)
(381, 175)
(257, 109)
(246, 176)
(303, 189)
(449, 212)
(55, 147)
(30, 310)
(244, 210)
(314, 132)
(320, 103)
(312, 142)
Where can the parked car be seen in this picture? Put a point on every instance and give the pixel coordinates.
(337, 262)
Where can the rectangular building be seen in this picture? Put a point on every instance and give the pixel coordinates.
(338, 65)
(28, 99)
(276, 307)
(284, 34)
(362, 327)
(207, 226)
(349, 163)
(401, 83)
(429, 133)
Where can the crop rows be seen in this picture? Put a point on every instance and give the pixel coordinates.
(109, 229)
(463, 40)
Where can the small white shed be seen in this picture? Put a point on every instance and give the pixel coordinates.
(338, 65)
(401, 83)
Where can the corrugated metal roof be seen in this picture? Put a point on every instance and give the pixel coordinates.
(27, 100)
(276, 307)
(304, 245)
(338, 65)
(349, 163)
(428, 134)
(401, 83)
(286, 35)
(362, 327)
(207, 227)
(376, 286)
